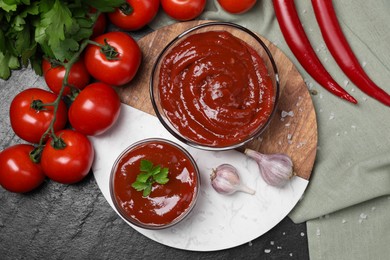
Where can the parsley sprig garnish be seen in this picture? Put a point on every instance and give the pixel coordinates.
(149, 174)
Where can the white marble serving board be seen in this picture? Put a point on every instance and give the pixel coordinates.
(217, 221)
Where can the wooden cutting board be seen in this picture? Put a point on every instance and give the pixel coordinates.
(293, 130)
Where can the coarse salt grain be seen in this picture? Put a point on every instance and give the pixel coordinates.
(267, 251)
(331, 116)
(346, 82)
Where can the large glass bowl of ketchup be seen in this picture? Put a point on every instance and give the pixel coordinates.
(215, 86)
(167, 204)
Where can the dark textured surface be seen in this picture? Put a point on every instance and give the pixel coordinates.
(59, 221)
(75, 222)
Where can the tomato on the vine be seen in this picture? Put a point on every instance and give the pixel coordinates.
(54, 75)
(183, 10)
(18, 173)
(95, 109)
(30, 117)
(116, 60)
(237, 7)
(69, 160)
(100, 25)
(134, 14)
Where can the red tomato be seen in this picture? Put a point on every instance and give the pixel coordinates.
(183, 10)
(237, 7)
(54, 75)
(134, 14)
(18, 173)
(100, 25)
(95, 109)
(120, 69)
(69, 164)
(30, 123)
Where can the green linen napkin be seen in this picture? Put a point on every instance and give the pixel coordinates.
(347, 203)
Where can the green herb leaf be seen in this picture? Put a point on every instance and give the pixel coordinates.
(140, 186)
(149, 174)
(54, 28)
(146, 166)
(162, 176)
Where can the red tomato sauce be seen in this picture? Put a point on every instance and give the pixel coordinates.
(215, 88)
(166, 202)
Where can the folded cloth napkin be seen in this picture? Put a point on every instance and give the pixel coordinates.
(347, 203)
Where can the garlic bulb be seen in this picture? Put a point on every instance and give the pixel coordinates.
(225, 180)
(276, 169)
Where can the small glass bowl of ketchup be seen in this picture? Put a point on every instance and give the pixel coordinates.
(167, 204)
(215, 86)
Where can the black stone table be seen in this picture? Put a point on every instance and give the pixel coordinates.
(59, 221)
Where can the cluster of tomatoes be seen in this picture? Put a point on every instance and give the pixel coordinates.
(57, 131)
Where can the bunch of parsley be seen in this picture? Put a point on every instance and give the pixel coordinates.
(52, 28)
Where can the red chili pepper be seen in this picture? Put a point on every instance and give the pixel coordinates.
(341, 51)
(295, 36)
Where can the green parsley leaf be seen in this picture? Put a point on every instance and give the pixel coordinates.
(52, 28)
(149, 174)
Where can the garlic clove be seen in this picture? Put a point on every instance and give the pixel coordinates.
(275, 169)
(225, 180)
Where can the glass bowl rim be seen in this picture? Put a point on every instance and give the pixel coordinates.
(188, 141)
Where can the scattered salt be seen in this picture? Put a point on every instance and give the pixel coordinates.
(304, 11)
(272, 243)
(353, 126)
(344, 221)
(373, 209)
(352, 90)
(362, 217)
(279, 247)
(250, 243)
(318, 232)
(288, 124)
(289, 113)
(289, 136)
(280, 142)
(364, 64)
(267, 251)
(331, 116)
(346, 82)
(284, 233)
(291, 254)
(364, 98)
(302, 234)
(338, 134)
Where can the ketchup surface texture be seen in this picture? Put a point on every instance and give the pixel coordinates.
(166, 202)
(215, 88)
